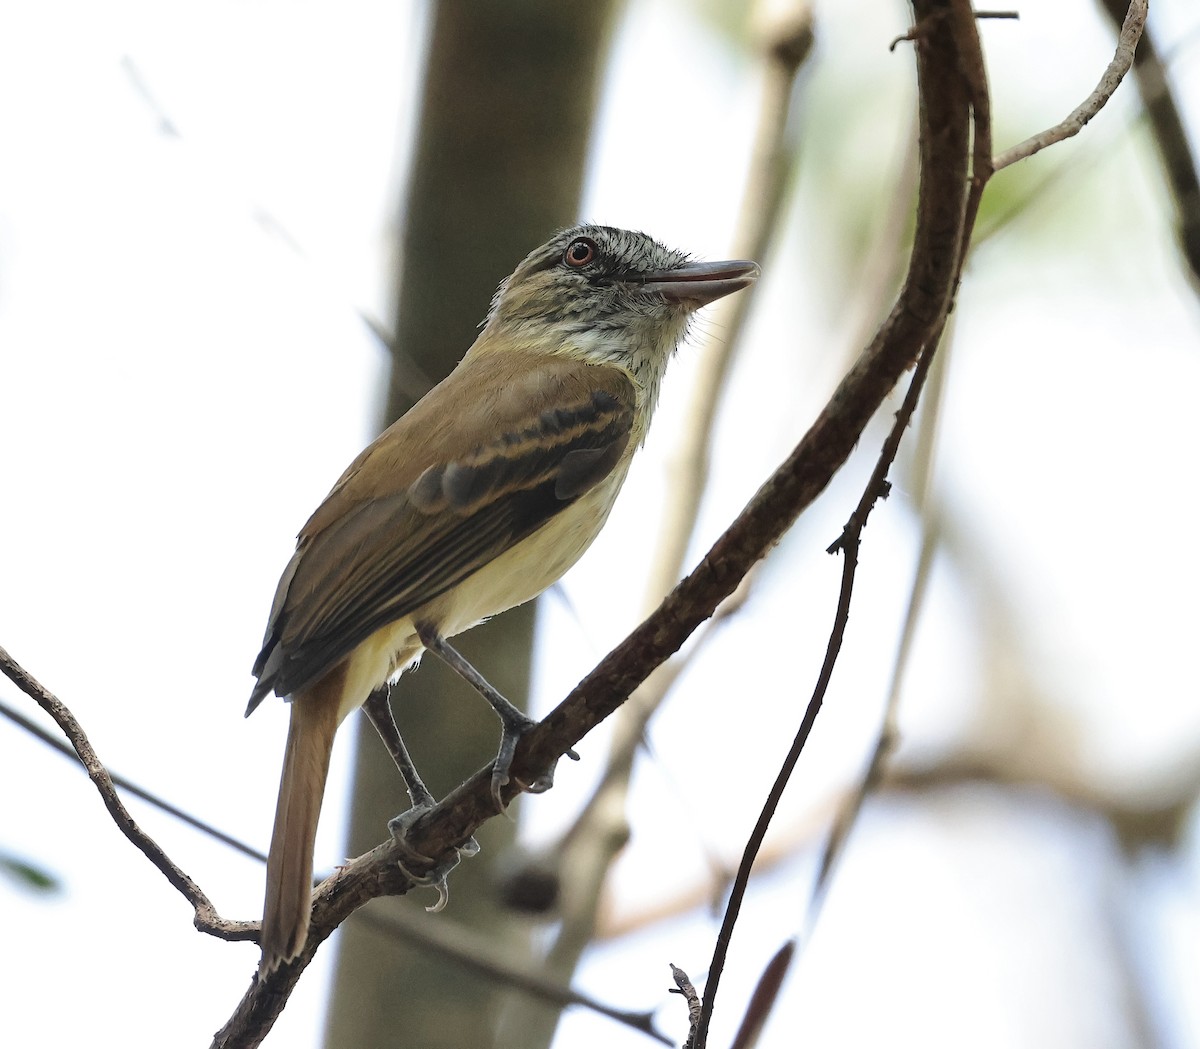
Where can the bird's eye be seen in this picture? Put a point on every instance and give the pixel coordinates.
(580, 252)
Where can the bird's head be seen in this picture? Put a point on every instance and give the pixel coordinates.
(609, 296)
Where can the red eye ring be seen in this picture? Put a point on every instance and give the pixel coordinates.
(580, 252)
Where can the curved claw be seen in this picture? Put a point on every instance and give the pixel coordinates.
(443, 891)
(436, 876)
(503, 763)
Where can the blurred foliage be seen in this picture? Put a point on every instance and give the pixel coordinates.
(27, 876)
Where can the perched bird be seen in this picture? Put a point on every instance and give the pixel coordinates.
(476, 500)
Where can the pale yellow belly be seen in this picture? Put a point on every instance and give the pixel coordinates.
(516, 576)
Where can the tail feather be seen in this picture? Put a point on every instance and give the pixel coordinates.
(301, 788)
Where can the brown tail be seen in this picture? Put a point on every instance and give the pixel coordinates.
(301, 788)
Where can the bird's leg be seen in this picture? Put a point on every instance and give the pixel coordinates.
(378, 709)
(515, 723)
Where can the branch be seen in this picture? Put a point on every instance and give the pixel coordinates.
(885, 740)
(206, 917)
(1170, 137)
(953, 103)
(873, 776)
(474, 956)
(685, 987)
(216, 833)
(913, 325)
(1131, 31)
(951, 87)
(479, 954)
(848, 542)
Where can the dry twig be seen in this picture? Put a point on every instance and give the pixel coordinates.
(885, 741)
(955, 125)
(138, 792)
(206, 917)
(685, 987)
(478, 954)
(1131, 32)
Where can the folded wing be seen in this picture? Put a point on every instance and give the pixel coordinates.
(405, 524)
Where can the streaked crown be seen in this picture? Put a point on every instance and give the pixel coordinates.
(610, 296)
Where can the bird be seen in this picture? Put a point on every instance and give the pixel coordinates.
(476, 500)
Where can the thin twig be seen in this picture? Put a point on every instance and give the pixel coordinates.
(848, 543)
(475, 957)
(953, 96)
(36, 730)
(206, 917)
(479, 955)
(1131, 31)
(839, 831)
(685, 987)
(1161, 112)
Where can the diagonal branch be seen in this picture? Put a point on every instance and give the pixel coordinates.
(950, 30)
(475, 957)
(950, 69)
(477, 953)
(128, 785)
(873, 775)
(848, 543)
(888, 734)
(912, 324)
(206, 918)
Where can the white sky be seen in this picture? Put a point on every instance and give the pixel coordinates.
(160, 338)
